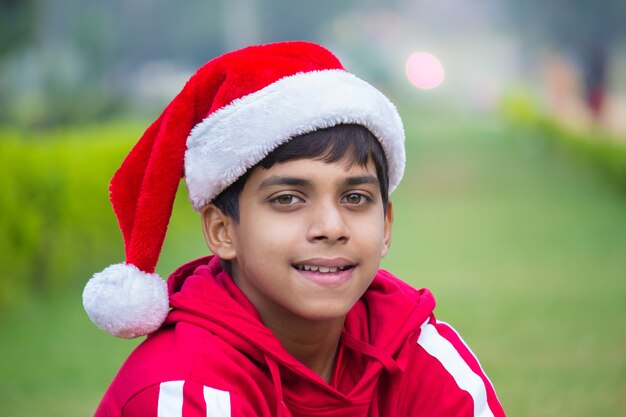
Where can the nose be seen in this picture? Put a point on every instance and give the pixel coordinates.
(327, 224)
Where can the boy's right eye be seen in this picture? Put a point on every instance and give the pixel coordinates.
(286, 200)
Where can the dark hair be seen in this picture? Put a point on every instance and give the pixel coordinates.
(329, 145)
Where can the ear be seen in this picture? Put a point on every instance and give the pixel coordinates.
(387, 230)
(218, 232)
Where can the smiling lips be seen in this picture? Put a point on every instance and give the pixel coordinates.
(321, 269)
(326, 271)
(324, 265)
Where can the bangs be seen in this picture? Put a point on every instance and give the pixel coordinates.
(353, 142)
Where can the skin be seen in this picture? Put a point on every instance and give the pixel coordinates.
(305, 212)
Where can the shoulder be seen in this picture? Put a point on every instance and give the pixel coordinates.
(441, 362)
(166, 355)
(169, 354)
(180, 363)
(179, 398)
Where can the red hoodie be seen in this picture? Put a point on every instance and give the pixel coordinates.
(214, 357)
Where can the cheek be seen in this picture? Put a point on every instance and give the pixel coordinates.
(373, 238)
(264, 240)
(370, 231)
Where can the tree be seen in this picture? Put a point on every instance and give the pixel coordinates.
(589, 30)
(17, 24)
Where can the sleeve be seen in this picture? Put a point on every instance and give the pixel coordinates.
(446, 378)
(184, 399)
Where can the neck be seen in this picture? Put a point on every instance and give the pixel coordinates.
(312, 343)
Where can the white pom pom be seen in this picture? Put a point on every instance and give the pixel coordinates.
(126, 302)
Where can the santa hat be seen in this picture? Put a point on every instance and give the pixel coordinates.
(231, 113)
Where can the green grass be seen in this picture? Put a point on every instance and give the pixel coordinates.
(54, 362)
(524, 250)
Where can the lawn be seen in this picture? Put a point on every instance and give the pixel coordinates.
(524, 248)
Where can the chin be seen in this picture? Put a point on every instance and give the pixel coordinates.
(325, 313)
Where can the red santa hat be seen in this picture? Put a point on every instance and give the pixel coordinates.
(231, 113)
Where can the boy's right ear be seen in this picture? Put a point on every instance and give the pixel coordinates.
(218, 232)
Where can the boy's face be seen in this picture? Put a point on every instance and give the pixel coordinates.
(310, 237)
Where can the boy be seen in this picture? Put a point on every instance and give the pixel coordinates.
(290, 160)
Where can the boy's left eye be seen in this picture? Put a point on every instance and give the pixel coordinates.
(354, 199)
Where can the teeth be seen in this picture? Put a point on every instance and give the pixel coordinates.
(320, 269)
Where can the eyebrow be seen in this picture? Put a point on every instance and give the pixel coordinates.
(361, 179)
(301, 182)
(291, 181)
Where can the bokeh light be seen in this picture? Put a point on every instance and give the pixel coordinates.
(424, 70)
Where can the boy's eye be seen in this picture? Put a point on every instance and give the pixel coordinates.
(286, 199)
(354, 199)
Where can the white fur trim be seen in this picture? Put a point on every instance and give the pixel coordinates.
(125, 301)
(236, 137)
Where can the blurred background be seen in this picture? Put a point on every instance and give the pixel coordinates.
(512, 209)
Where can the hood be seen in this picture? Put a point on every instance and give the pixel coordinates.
(375, 330)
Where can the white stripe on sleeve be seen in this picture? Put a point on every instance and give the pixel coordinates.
(170, 399)
(217, 402)
(467, 380)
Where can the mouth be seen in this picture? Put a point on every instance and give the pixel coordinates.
(323, 269)
(324, 265)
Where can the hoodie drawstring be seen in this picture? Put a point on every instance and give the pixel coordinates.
(278, 385)
(380, 355)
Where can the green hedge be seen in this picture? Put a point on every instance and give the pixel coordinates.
(605, 152)
(57, 223)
